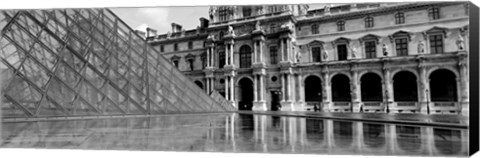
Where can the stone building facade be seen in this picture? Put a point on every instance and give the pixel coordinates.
(388, 57)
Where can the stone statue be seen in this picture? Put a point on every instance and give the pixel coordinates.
(325, 54)
(210, 37)
(385, 49)
(230, 31)
(212, 12)
(257, 26)
(421, 47)
(327, 8)
(460, 42)
(169, 34)
(298, 56)
(354, 51)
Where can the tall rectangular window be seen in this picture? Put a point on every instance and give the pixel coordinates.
(190, 62)
(341, 25)
(342, 52)
(273, 55)
(175, 47)
(434, 13)
(436, 44)
(175, 62)
(315, 29)
(162, 48)
(400, 18)
(316, 54)
(190, 45)
(401, 46)
(370, 49)
(223, 14)
(369, 22)
(221, 59)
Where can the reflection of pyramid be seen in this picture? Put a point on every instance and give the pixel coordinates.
(78, 62)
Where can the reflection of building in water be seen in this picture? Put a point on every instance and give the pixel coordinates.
(404, 57)
(345, 137)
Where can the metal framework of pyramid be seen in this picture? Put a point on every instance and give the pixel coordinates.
(84, 62)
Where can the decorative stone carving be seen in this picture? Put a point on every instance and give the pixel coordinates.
(169, 34)
(298, 56)
(210, 37)
(460, 42)
(421, 47)
(385, 49)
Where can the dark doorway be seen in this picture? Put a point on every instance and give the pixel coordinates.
(199, 84)
(313, 91)
(371, 87)
(341, 88)
(275, 103)
(405, 87)
(245, 100)
(443, 86)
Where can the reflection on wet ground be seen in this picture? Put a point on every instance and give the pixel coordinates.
(238, 133)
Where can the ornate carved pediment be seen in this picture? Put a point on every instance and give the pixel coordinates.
(175, 57)
(189, 56)
(369, 37)
(399, 34)
(315, 43)
(437, 29)
(341, 40)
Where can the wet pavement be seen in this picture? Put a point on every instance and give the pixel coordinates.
(457, 121)
(239, 133)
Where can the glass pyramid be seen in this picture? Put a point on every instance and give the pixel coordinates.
(84, 62)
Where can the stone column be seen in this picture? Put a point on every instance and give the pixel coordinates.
(226, 88)
(388, 92)
(254, 52)
(231, 54)
(262, 93)
(232, 96)
(281, 50)
(282, 78)
(260, 45)
(465, 88)
(424, 90)
(226, 54)
(301, 89)
(356, 96)
(207, 88)
(255, 88)
(327, 93)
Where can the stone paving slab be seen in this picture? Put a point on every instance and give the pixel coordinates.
(454, 121)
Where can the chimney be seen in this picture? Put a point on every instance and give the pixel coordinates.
(203, 22)
(151, 32)
(176, 27)
(141, 33)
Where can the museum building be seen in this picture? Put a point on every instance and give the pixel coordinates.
(369, 57)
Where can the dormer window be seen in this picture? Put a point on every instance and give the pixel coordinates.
(247, 11)
(175, 60)
(369, 22)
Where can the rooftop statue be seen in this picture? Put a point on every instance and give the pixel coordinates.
(230, 31)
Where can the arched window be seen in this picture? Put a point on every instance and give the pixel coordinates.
(369, 22)
(245, 57)
(400, 18)
(341, 25)
(315, 29)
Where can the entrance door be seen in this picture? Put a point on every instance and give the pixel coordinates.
(275, 104)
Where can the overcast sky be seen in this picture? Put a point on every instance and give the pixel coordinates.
(160, 18)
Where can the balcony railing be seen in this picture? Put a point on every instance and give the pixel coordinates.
(372, 103)
(406, 103)
(444, 104)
